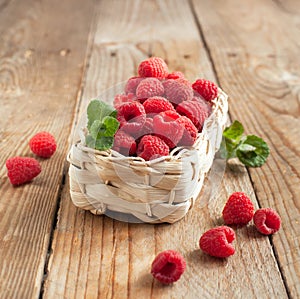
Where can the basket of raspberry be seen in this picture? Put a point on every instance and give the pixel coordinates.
(147, 145)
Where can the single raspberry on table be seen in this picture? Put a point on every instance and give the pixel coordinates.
(131, 116)
(206, 89)
(157, 105)
(151, 147)
(195, 111)
(218, 241)
(177, 92)
(132, 84)
(238, 209)
(120, 99)
(168, 266)
(43, 144)
(153, 67)
(175, 75)
(149, 87)
(190, 132)
(21, 170)
(167, 126)
(267, 221)
(124, 143)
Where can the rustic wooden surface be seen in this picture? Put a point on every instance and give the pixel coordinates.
(56, 55)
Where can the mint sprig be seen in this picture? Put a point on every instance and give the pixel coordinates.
(251, 150)
(102, 125)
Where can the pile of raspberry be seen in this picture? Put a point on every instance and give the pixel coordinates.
(159, 111)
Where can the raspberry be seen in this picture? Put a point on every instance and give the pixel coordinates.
(131, 116)
(190, 132)
(217, 241)
(238, 209)
(147, 127)
(157, 105)
(177, 92)
(132, 84)
(120, 99)
(149, 87)
(207, 89)
(168, 266)
(153, 67)
(185, 82)
(175, 75)
(43, 144)
(195, 111)
(167, 126)
(21, 170)
(124, 143)
(206, 105)
(152, 147)
(267, 221)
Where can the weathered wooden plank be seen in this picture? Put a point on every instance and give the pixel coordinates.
(41, 60)
(100, 257)
(255, 47)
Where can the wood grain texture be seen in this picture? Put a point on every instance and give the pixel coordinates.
(255, 48)
(42, 55)
(95, 256)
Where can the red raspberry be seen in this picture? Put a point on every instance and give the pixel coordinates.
(120, 99)
(190, 132)
(177, 92)
(185, 82)
(168, 266)
(152, 147)
(131, 116)
(149, 87)
(217, 241)
(153, 67)
(132, 84)
(175, 75)
(147, 127)
(207, 89)
(43, 144)
(124, 143)
(167, 126)
(267, 221)
(195, 111)
(238, 209)
(206, 105)
(157, 105)
(21, 170)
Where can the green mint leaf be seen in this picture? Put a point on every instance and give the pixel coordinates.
(227, 149)
(103, 143)
(98, 110)
(90, 141)
(111, 124)
(106, 128)
(234, 131)
(243, 147)
(253, 151)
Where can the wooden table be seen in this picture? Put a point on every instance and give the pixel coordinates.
(56, 55)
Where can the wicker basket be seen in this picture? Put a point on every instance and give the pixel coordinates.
(161, 190)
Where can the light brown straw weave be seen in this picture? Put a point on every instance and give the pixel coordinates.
(161, 190)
